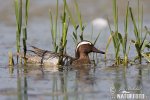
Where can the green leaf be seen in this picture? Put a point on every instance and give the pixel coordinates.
(144, 42)
(96, 39)
(27, 11)
(120, 38)
(135, 26)
(77, 27)
(71, 17)
(74, 35)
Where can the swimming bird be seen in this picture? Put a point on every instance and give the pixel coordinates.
(44, 57)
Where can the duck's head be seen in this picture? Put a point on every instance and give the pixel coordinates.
(85, 47)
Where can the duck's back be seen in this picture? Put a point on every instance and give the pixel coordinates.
(45, 57)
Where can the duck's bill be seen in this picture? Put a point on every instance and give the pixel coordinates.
(97, 51)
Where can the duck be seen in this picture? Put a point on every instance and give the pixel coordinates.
(45, 57)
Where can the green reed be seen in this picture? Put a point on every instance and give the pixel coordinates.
(140, 41)
(118, 38)
(63, 40)
(59, 45)
(124, 40)
(25, 28)
(115, 34)
(24, 39)
(76, 25)
(54, 28)
(65, 25)
(18, 13)
(19, 20)
(80, 20)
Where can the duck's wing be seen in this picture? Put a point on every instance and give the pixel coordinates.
(42, 56)
(39, 52)
(36, 55)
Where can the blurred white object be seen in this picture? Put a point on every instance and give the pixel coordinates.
(99, 23)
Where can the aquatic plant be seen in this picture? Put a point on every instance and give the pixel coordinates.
(76, 25)
(124, 39)
(54, 28)
(11, 60)
(115, 35)
(140, 41)
(18, 13)
(19, 19)
(63, 40)
(118, 38)
(24, 39)
(59, 45)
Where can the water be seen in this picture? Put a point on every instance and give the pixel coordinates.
(42, 83)
(84, 83)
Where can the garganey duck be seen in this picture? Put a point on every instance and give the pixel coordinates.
(83, 48)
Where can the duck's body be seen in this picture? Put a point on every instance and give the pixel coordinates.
(45, 57)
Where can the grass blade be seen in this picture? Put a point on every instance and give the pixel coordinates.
(135, 27)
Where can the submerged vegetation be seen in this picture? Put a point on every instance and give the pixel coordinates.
(59, 40)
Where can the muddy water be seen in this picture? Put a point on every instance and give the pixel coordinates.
(100, 82)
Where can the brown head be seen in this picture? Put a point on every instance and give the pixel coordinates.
(84, 48)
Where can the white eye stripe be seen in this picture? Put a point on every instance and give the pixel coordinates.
(81, 43)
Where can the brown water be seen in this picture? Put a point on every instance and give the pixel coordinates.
(95, 83)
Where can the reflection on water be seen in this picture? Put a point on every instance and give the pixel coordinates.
(83, 74)
(79, 83)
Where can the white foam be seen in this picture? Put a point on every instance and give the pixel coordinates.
(81, 43)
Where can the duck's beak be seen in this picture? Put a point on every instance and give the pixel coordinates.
(97, 51)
